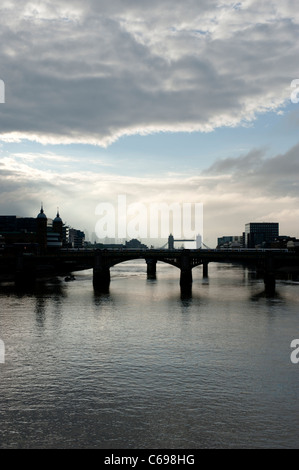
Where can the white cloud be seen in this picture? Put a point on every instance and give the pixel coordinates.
(94, 71)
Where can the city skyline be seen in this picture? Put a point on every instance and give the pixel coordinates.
(149, 227)
(182, 103)
(266, 232)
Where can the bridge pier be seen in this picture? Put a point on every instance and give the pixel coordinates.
(101, 275)
(186, 274)
(101, 279)
(205, 270)
(270, 283)
(186, 279)
(151, 268)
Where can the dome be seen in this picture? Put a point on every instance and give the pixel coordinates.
(42, 215)
(57, 218)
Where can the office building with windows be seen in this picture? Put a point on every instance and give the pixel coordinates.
(260, 234)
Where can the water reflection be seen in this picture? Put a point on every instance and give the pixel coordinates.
(186, 301)
(54, 286)
(265, 295)
(41, 293)
(40, 310)
(101, 298)
(151, 280)
(186, 296)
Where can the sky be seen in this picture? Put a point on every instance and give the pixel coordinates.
(162, 102)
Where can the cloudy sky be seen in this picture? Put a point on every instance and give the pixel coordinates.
(162, 101)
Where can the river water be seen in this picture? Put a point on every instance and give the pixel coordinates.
(142, 368)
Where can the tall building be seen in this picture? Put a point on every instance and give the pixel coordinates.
(65, 235)
(41, 230)
(260, 233)
(76, 238)
(58, 226)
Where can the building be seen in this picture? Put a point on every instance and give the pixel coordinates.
(12, 223)
(134, 243)
(38, 234)
(8, 223)
(18, 232)
(293, 245)
(232, 241)
(41, 230)
(282, 241)
(260, 234)
(58, 226)
(66, 236)
(76, 238)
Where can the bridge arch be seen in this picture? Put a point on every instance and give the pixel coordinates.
(173, 262)
(120, 261)
(181, 260)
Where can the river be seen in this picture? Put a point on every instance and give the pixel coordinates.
(142, 367)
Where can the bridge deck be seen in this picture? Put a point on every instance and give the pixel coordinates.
(66, 261)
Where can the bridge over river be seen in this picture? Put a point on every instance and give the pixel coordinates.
(23, 269)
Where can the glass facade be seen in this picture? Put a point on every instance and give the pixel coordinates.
(260, 233)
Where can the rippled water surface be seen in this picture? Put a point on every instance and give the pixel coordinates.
(142, 367)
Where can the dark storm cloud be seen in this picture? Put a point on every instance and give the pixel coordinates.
(260, 175)
(93, 71)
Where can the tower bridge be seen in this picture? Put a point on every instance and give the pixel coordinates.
(25, 268)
